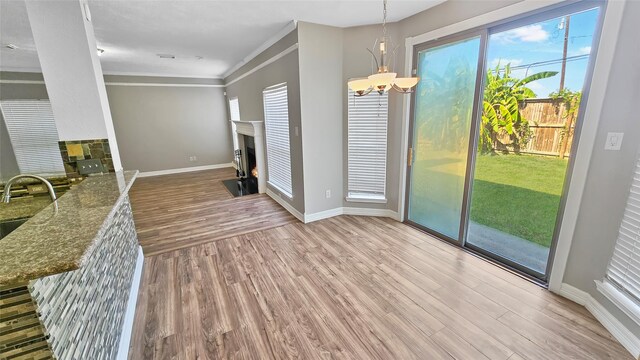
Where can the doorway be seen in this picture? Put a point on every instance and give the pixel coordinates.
(495, 121)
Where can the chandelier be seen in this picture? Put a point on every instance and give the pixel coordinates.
(383, 80)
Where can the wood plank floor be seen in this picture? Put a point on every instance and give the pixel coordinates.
(176, 211)
(345, 288)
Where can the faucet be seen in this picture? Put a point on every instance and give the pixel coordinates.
(6, 195)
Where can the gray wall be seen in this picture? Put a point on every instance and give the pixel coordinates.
(610, 172)
(320, 57)
(249, 93)
(8, 164)
(160, 127)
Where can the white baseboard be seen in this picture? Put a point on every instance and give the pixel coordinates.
(629, 340)
(323, 215)
(184, 170)
(127, 326)
(350, 211)
(275, 196)
(371, 212)
(307, 218)
(574, 294)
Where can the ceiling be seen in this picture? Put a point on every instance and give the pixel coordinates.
(207, 38)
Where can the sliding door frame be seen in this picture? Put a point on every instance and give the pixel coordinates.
(515, 21)
(482, 34)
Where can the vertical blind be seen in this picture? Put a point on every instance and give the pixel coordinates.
(234, 109)
(34, 137)
(367, 145)
(624, 268)
(276, 121)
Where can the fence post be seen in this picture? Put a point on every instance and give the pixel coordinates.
(568, 122)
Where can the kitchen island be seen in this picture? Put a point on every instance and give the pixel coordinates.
(69, 275)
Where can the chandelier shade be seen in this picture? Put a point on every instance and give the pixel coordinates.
(405, 84)
(382, 81)
(360, 86)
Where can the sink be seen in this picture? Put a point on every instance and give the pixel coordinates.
(7, 226)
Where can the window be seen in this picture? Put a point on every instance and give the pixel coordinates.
(622, 283)
(234, 115)
(33, 135)
(367, 147)
(234, 109)
(276, 121)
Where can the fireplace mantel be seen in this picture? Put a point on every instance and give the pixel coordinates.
(256, 130)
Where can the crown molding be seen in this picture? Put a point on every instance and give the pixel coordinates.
(272, 40)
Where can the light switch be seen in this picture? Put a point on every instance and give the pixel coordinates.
(614, 141)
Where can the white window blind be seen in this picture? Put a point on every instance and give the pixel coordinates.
(234, 109)
(33, 135)
(276, 121)
(367, 146)
(624, 267)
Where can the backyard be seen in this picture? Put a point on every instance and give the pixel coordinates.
(515, 194)
(518, 194)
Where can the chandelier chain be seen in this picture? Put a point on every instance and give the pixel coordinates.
(384, 18)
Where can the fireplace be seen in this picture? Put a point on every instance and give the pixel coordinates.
(251, 166)
(246, 181)
(249, 140)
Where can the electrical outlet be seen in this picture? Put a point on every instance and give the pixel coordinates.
(90, 166)
(327, 194)
(193, 158)
(614, 141)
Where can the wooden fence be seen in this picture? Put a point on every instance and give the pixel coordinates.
(551, 130)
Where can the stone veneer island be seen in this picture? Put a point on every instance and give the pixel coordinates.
(69, 275)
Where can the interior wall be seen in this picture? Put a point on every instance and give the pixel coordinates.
(162, 127)
(8, 163)
(320, 57)
(610, 172)
(248, 89)
(158, 127)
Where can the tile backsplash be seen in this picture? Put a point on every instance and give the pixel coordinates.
(72, 151)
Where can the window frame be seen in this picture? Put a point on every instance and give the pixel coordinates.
(353, 195)
(626, 298)
(282, 188)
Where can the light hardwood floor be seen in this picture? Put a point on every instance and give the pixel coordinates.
(176, 211)
(354, 288)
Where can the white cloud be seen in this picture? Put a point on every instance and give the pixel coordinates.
(504, 62)
(531, 33)
(539, 89)
(584, 50)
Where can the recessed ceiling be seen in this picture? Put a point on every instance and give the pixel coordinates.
(207, 38)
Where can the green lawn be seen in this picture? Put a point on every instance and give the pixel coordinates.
(518, 194)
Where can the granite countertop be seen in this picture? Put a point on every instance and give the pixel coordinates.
(23, 207)
(60, 237)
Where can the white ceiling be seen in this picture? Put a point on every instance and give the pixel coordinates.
(222, 33)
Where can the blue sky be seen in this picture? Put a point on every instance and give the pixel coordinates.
(544, 41)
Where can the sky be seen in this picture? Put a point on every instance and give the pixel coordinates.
(544, 41)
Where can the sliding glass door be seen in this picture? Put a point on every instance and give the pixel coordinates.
(533, 89)
(444, 106)
(495, 117)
